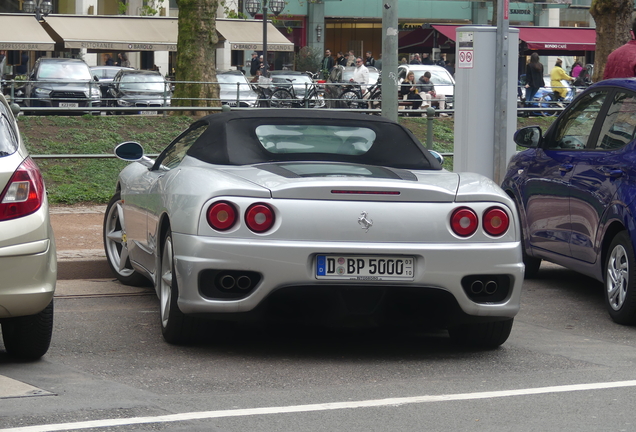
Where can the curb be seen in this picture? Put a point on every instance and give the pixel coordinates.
(83, 264)
(80, 226)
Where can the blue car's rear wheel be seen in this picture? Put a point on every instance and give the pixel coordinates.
(620, 278)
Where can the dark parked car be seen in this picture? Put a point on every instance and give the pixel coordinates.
(575, 187)
(147, 90)
(105, 75)
(60, 82)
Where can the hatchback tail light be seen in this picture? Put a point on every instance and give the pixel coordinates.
(24, 193)
(496, 221)
(221, 216)
(464, 222)
(259, 217)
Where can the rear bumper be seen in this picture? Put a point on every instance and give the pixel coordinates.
(284, 264)
(28, 264)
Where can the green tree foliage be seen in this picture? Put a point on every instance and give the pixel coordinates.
(308, 59)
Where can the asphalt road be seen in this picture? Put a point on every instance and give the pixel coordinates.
(565, 367)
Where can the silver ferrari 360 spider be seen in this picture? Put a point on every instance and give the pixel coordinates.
(317, 216)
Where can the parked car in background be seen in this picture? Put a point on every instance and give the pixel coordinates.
(338, 83)
(143, 89)
(440, 77)
(60, 82)
(301, 86)
(105, 76)
(574, 187)
(28, 269)
(314, 216)
(235, 90)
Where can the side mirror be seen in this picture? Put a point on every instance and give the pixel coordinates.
(529, 137)
(15, 109)
(131, 151)
(95, 78)
(437, 156)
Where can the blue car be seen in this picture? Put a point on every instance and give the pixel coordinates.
(575, 190)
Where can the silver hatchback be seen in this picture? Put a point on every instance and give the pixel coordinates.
(28, 266)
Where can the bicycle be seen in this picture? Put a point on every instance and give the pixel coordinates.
(351, 96)
(284, 95)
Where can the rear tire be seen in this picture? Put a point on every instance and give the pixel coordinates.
(350, 99)
(488, 335)
(620, 280)
(177, 328)
(29, 337)
(281, 98)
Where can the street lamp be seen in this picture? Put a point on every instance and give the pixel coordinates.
(252, 7)
(41, 8)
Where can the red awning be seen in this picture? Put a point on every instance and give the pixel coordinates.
(558, 39)
(446, 30)
(422, 39)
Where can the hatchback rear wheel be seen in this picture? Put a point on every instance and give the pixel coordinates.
(28, 337)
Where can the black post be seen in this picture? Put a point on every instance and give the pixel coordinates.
(265, 65)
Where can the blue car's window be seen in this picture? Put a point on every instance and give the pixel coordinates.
(315, 139)
(619, 124)
(174, 154)
(575, 127)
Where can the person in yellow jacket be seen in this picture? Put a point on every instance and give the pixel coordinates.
(556, 75)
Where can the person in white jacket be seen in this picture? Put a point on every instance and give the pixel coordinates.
(360, 75)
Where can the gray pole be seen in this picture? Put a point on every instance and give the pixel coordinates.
(501, 92)
(390, 59)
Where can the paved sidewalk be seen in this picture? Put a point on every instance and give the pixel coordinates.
(80, 249)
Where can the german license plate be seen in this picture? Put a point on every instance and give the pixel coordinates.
(69, 104)
(365, 268)
(149, 113)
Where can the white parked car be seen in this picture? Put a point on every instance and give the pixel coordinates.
(28, 268)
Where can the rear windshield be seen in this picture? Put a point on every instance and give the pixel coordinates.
(315, 139)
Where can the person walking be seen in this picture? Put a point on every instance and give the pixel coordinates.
(255, 64)
(351, 59)
(378, 62)
(341, 60)
(534, 77)
(556, 75)
(621, 63)
(360, 75)
(123, 60)
(410, 90)
(369, 61)
(327, 64)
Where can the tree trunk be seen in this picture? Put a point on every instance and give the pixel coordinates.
(196, 55)
(613, 24)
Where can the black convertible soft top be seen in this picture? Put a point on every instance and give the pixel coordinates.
(230, 139)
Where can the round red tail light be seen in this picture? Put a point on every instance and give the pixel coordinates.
(496, 221)
(464, 222)
(259, 217)
(221, 216)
